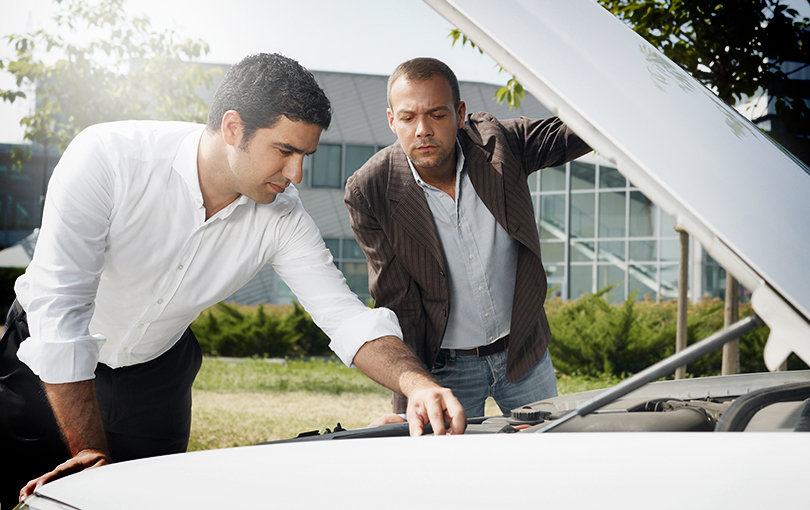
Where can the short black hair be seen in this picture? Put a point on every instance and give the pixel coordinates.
(263, 87)
(423, 69)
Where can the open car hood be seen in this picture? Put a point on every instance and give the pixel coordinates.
(722, 179)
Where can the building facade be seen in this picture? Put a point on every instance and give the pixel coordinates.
(596, 229)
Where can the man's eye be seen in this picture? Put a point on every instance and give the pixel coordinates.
(285, 153)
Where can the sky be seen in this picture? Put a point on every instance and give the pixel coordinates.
(354, 36)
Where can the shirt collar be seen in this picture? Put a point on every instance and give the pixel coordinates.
(459, 165)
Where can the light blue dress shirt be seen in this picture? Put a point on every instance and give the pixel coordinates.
(481, 262)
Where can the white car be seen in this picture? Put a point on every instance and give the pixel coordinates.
(690, 154)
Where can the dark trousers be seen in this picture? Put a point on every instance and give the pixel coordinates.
(146, 409)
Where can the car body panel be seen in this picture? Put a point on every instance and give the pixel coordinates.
(721, 178)
(477, 471)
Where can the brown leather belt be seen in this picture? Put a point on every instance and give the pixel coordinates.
(495, 347)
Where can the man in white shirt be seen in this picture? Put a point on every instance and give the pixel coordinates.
(145, 225)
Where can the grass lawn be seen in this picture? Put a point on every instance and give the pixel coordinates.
(240, 402)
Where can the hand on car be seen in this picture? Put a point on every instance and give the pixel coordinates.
(436, 406)
(85, 459)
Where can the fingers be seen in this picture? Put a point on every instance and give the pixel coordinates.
(436, 406)
(85, 459)
(386, 419)
(455, 416)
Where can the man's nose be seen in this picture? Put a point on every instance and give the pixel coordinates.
(423, 128)
(294, 170)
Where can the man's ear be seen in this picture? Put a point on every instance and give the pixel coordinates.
(391, 120)
(231, 127)
(462, 111)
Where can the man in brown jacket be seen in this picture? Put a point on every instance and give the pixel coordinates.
(445, 218)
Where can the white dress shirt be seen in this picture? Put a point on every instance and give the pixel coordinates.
(126, 260)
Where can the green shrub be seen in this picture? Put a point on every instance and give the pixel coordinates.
(594, 338)
(265, 331)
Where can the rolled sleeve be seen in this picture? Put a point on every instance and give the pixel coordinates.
(63, 361)
(371, 324)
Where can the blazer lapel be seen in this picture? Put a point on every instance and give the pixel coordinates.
(510, 209)
(410, 209)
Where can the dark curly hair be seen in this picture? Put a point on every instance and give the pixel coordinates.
(265, 86)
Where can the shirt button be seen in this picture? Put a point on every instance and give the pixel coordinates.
(160, 301)
(480, 288)
(140, 325)
(490, 338)
(179, 267)
(471, 257)
(459, 223)
(486, 314)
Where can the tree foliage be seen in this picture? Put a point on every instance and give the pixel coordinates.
(734, 48)
(121, 69)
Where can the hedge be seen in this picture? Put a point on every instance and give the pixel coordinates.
(590, 336)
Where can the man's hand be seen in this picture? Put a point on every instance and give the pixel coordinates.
(391, 363)
(76, 410)
(437, 406)
(85, 459)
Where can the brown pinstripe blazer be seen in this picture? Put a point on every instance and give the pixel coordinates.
(407, 269)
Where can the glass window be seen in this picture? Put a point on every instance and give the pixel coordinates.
(583, 211)
(644, 279)
(552, 216)
(581, 281)
(583, 175)
(611, 214)
(334, 246)
(306, 168)
(356, 274)
(644, 250)
(714, 278)
(356, 156)
(667, 225)
(326, 166)
(669, 281)
(552, 178)
(552, 252)
(283, 292)
(582, 251)
(609, 275)
(555, 275)
(352, 250)
(611, 251)
(611, 178)
(670, 250)
(642, 216)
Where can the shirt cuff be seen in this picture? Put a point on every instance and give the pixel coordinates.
(355, 331)
(62, 362)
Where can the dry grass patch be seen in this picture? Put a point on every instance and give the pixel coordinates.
(224, 419)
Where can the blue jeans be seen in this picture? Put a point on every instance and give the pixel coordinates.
(473, 379)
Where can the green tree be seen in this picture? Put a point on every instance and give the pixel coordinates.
(734, 48)
(122, 69)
